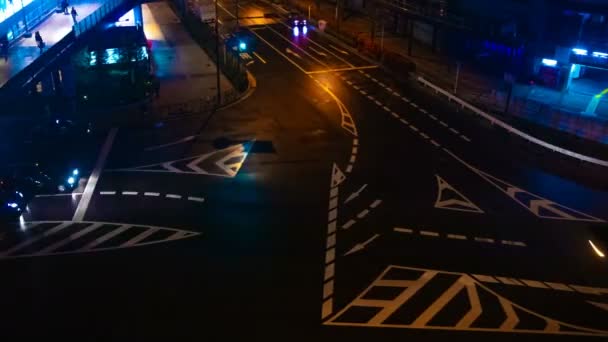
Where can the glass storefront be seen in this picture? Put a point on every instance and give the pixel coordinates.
(19, 16)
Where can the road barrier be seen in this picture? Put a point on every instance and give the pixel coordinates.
(509, 128)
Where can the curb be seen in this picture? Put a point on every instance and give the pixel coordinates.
(252, 84)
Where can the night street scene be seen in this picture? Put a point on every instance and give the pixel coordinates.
(304, 170)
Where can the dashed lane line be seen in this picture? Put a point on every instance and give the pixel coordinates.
(107, 192)
(453, 236)
(362, 214)
(174, 196)
(129, 193)
(153, 194)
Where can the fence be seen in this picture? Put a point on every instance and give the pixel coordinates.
(96, 17)
(511, 129)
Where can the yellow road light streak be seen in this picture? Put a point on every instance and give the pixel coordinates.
(597, 251)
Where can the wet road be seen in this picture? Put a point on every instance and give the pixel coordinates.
(333, 203)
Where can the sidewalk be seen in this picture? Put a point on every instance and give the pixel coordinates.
(185, 71)
(52, 30)
(538, 110)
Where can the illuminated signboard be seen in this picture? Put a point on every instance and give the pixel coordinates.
(9, 7)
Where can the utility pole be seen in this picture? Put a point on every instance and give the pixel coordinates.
(217, 54)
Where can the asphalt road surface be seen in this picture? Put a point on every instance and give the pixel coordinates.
(333, 204)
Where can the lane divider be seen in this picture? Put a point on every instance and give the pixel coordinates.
(152, 194)
(546, 285)
(362, 214)
(452, 236)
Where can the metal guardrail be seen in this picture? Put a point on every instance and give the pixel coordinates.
(96, 17)
(511, 129)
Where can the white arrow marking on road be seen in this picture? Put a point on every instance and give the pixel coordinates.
(317, 51)
(291, 52)
(361, 246)
(355, 194)
(339, 50)
(337, 176)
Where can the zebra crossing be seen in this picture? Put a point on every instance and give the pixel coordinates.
(43, 238)
(414, 298)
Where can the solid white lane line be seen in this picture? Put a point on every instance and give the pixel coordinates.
(457, 237)
(129, 193)
(403, 230)
(173, 196)
(152, 194)
(429, 233)
(85, 200)
(107, 192)
(105, 237)
(196, 199)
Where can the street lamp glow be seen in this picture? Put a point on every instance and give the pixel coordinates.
(549, 62)
(242, 46)
(581, 52)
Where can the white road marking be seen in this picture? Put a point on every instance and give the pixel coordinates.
(105, 237)
(482, 239)
(355, 142)
(107, 192)
(373, 79)
(414, 105)
(509, 281)
(59, 195)
(433, 117)
(423, 110)
(404, 121)
(424, 135)
(513, 243)
(386, 108)
(414, 128)
(370, 97)
(435, 143)
(173, 196)
(152, 194)
(85, 200)
(259, 57)
(353, 158)
(182, 140)
(349, 169)
(405, 99)
(140, 237)
(395, 115)
(429, 233)
(485, 278)
(36, 238)
(339, 50)
(465, 138)
(349, 82)
(348, 224)
(378, 103)
(454, 130)
(363, 213)
(363, 92)
(403, 230)
(389, 89)
(356, 87)
(355, 150)
(443, 124)
(72, 237)
(534, 283)
(457, 237)
(375, 203)
(129, 193)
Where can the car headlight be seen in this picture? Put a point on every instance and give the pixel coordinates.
(75, 172)
(13, 205)
(71, 180)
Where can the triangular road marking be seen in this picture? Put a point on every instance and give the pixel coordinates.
(599, 305)
(194, 165)
(461, 203)
(337, 176)
(539, 206)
